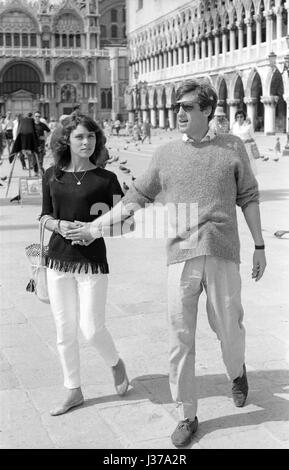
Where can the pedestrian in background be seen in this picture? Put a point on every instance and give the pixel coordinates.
(220, 123)
(26, 142)
(244, 130)
(41, 129)
(1, 138)
(74, 188)
(8, 129)
(146, 131)
(211, 172)
(277, 149)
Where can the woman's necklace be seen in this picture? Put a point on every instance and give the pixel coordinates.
(79, 180)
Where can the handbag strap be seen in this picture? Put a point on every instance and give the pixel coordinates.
(42, 230)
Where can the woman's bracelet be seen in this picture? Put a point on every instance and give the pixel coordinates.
(57, 226)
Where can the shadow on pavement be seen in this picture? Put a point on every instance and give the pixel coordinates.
(265, 392)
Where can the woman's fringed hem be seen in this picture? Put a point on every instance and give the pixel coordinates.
(77, 267)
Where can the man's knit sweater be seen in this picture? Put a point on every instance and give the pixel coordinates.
(214, 175)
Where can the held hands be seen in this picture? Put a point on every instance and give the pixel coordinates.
(80, 234)
(259, 264)
(64, 226)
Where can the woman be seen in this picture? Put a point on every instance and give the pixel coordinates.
(76, 189)
(244, 130)
(26, 141)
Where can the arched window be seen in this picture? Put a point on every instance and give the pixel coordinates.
(254, 34)
(114, 31)
(20, 76)
(103, 100)
(263, 22)
(109, 99)
(113, 15)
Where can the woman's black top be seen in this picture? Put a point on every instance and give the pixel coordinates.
(64, 199)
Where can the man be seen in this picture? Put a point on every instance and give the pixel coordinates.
(41, 128)
(213, 172)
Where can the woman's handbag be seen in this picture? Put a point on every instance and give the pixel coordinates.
(255, 150)
(36, 255)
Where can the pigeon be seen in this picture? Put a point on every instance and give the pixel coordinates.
(125, 186)
(4, 178)
(133, 177)
(123, 162)
(116, 158)
(122, 167)
(125, 147)
(265, 159)
(127, 170)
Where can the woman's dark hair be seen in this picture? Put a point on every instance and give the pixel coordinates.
(206, 93)
(240, 112)
(60, 140)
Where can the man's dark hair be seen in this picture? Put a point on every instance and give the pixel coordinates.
(29, 115)
(206, 93)
(240, 112)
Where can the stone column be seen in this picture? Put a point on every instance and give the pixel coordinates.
(240, 38)
(131, 115)
(216, 34)
(248, 23)
(210, 50)
(224, 41)
(234, 106)
(165, 59)
(191, 52)
(257, 18)
(161, 118)
(153, 117)
(268, 16)
(203, 39)
(197, 42)
(269, 113)
(174, 57)
(251, 109)
(185, 49)
(232, 40)
(278, 12)
(172, 119)
(144, 115)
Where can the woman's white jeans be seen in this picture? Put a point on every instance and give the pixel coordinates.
(221, 280)
(79, 300)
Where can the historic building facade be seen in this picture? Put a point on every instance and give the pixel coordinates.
(51, 59)
(238, 45)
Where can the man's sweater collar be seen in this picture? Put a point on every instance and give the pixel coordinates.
(210, 135)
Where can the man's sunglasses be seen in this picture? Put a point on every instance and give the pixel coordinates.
(187, 106)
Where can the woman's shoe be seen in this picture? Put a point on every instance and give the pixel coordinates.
(121, 381)
(75, 398)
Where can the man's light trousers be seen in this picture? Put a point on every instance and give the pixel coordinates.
(78, 300)
(221, 280)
